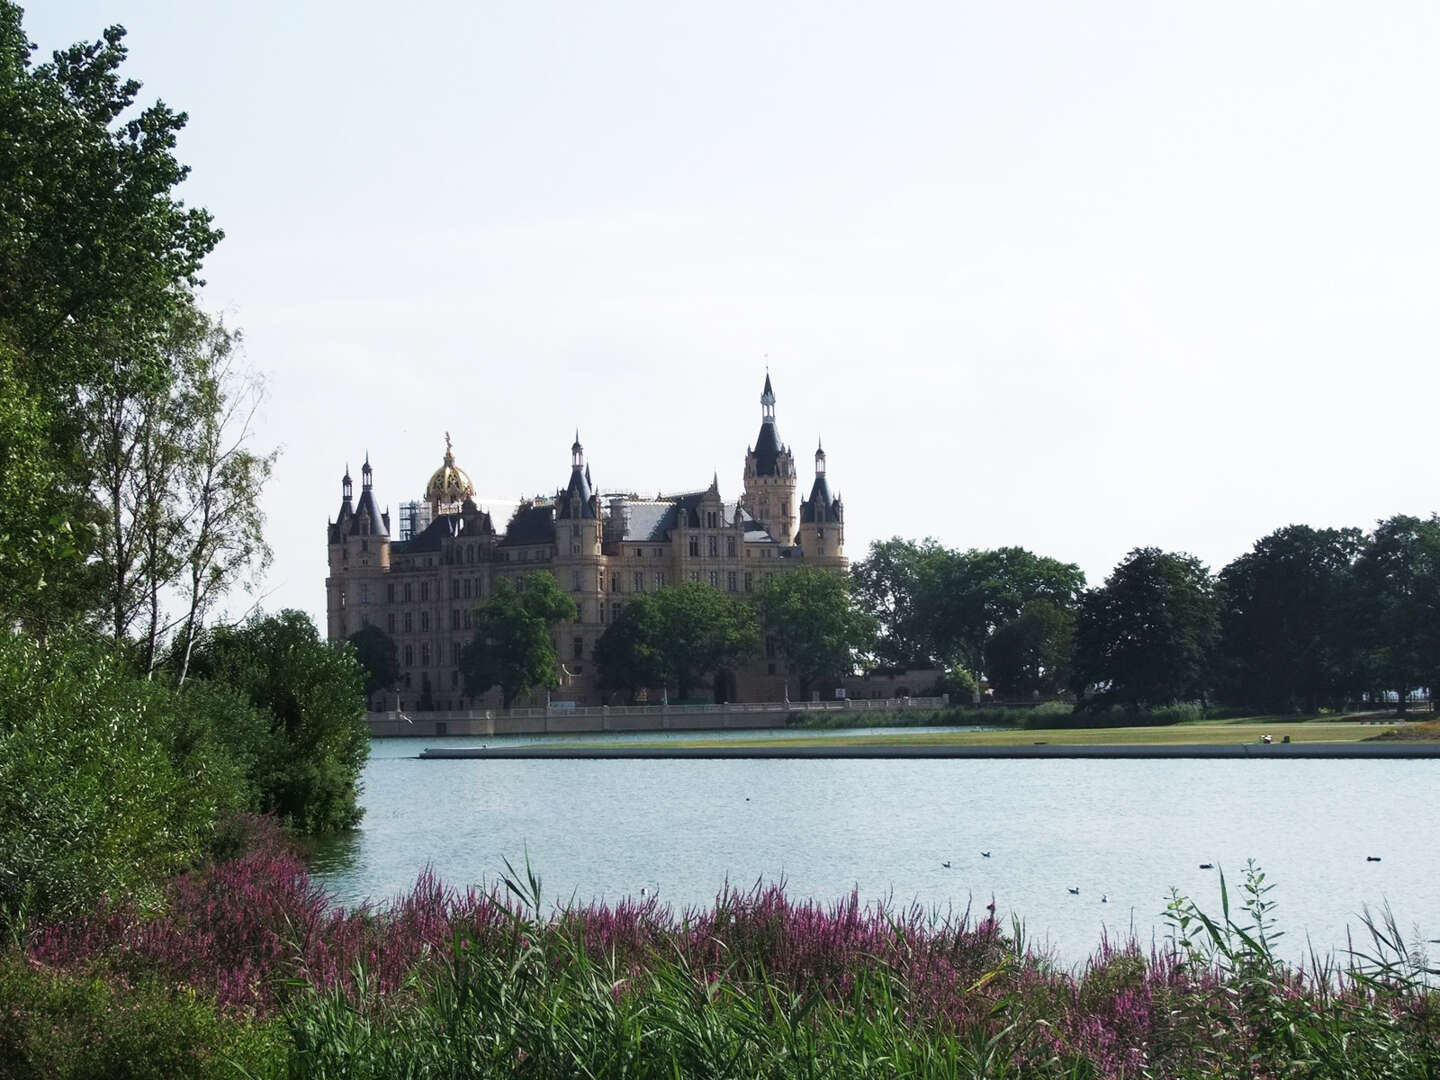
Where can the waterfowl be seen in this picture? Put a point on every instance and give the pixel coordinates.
(1104, 898)
(1207, 866)
(1372, 858)
(984, 854)
(946, 865)
(1074, 892)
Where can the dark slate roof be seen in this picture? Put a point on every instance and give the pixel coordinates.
(341, 526)
(767, 448)
(379, 523)
(481, 524)
(819, 507)
(442, 528)
(577, 494)
(648, 521)
(687, 508)
(530, 525)
(651, 521)
(445, 527)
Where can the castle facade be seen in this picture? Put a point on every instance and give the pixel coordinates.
(602, 548)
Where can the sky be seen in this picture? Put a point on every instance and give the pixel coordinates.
(1076, 277)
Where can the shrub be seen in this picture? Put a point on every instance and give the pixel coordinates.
(306, 766)
(55, 1026)
(97, 796)
(1114, 716)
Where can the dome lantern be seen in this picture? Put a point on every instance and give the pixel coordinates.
(449, 485)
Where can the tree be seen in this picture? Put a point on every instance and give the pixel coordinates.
(888, 583)
(1145, 638)
(312, 691)
(1031, 653)
(681, 634)
(109, 782)
(1398, 604)
(1285, 605)
(97, 262)
(628, 653)
(965, 596)
(180, 486)
(47, 526)
(811, 618)
(378, 658)
(513, 647)
(220, 526)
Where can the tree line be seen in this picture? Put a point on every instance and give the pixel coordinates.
(1307, 619)
(132, 723)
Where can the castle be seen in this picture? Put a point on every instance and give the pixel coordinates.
(422, 589)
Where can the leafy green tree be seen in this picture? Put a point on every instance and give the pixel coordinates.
(1286, 638)
(813, 620)
(1031, 653)
(513, 647)
(965, 596)
(888, 583)
(1398, 604)
(47, 527)
(1147, 636)
(97, 262)
(628, 653)
(378, 658)
(312, 693)
(198, 484)
(109, 782)
(681, 634)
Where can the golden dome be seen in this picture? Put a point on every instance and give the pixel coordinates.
(449, 484)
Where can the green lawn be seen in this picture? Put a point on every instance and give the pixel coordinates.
(1206, 732)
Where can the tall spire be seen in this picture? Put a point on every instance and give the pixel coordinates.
(345, 483)
(819, 458)
(365, 473)
(576, 500)
(767, 399)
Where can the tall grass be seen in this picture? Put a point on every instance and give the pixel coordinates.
(486, 983)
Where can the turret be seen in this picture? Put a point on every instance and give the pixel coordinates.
(577, 514)
(769, 488)
(359, 555)
(822, 520)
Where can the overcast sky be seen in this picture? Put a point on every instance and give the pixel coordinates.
(1077, 277)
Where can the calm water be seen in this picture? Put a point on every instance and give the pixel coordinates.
(1124, 829)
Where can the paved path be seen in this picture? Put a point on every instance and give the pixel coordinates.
(1042, 750)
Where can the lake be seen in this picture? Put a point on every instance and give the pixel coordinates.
(1123, 830)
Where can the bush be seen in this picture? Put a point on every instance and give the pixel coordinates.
(99, 796)
(58, 1026)
(867, 718)
(306, 765)
(1116, 716)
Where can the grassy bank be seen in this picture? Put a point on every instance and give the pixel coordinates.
(247, 971)
(1202, 732)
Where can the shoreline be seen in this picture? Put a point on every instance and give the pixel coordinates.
(1238, 751)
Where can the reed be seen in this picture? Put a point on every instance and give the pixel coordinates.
(478, 983)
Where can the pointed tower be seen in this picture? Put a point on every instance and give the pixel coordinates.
(822, 521)
(359, 557)
(770, 479)
(577, 502)
(578, 566)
